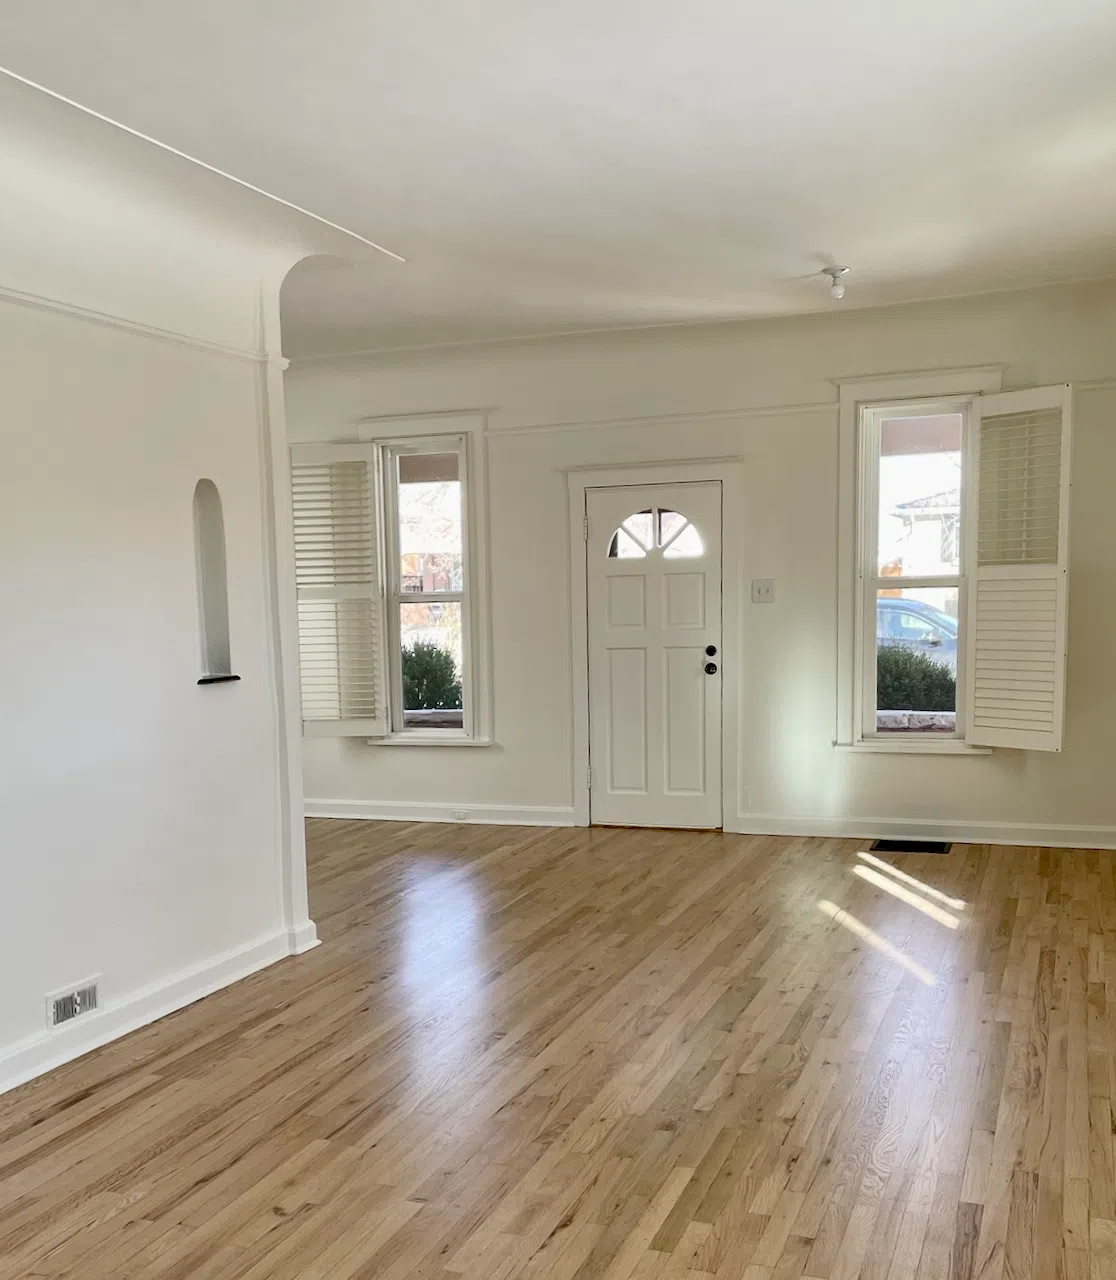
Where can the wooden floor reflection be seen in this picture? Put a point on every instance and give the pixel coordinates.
(576, 1054)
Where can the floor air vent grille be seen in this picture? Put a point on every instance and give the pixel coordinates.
(910, 846)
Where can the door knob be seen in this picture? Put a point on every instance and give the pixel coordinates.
(710, 668)
(711, 650)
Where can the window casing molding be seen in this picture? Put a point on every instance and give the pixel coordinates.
(857, 517)
(869, 580)
(432, 433)
(391, 451)
(387, 438)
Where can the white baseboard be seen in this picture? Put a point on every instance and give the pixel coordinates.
(48, 1049)
(303, 938)
(511, 815)
(765, 824)
(1054, 837)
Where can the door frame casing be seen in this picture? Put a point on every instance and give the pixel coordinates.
(731, 473)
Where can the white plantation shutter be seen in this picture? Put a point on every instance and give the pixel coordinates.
(1017, 565)
(337, 573)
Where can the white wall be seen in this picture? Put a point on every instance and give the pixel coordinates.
(764, 391)
(144, 831)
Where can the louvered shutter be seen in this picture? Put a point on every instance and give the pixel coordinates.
(340, 602)
(1017, 567)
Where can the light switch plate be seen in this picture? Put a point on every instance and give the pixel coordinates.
(763, 590)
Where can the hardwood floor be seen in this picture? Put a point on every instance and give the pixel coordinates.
(576, 1054)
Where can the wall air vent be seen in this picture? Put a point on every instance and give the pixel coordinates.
(64, 1006)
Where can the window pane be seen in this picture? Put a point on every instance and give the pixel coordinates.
(917, 638)
(431, 656)
(624, 546)
(670, 523)
(920, 496)
(430, 544)
(639, 526)
(686, 545)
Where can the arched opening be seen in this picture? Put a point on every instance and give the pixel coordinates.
(213, 590)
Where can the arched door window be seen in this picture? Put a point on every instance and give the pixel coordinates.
(656, 531)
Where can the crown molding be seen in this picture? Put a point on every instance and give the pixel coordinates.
(39, 302)
(683, 418)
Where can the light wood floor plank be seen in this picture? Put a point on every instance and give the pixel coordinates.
(609, 1055)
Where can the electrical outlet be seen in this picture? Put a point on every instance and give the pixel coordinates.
(460, 815)
(763, 590)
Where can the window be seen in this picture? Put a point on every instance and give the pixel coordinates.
(656, 528)
(383, 561)
(427, 622)
(961, 524)
(912, 635)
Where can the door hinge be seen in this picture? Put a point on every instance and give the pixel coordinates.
(589, 777)
(585, 528)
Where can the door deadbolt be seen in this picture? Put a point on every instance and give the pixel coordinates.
(711, 650)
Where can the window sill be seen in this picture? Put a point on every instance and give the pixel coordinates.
(914, 745)
(429, 738)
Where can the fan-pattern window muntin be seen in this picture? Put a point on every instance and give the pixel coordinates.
(656, 530)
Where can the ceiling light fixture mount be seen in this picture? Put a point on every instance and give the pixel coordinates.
(836, 280)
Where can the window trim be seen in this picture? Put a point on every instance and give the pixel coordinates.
(470, 430)
(394, 595)
(897, 390)
(869, 582)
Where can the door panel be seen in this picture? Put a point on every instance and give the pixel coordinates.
(653, 561)
(684, 600)
(627, 720)
(626, 602)
(684, 730)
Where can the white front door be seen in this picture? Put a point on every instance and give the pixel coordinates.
(653, 577)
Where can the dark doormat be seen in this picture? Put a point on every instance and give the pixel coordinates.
(910, 846)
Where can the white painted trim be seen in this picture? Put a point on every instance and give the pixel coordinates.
(39, 302)
(819, 313)
(760, 824)
(303, 938)
(870, 419)
(383, 428)
(669, 419)
(1030, 835)
(939, 384)
(512, 815)
(914, 744)
(46, 1050)
(730, 473)
(579, 645)
(277, 547)
(930, 384)
(429, 738)
(469, 427)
